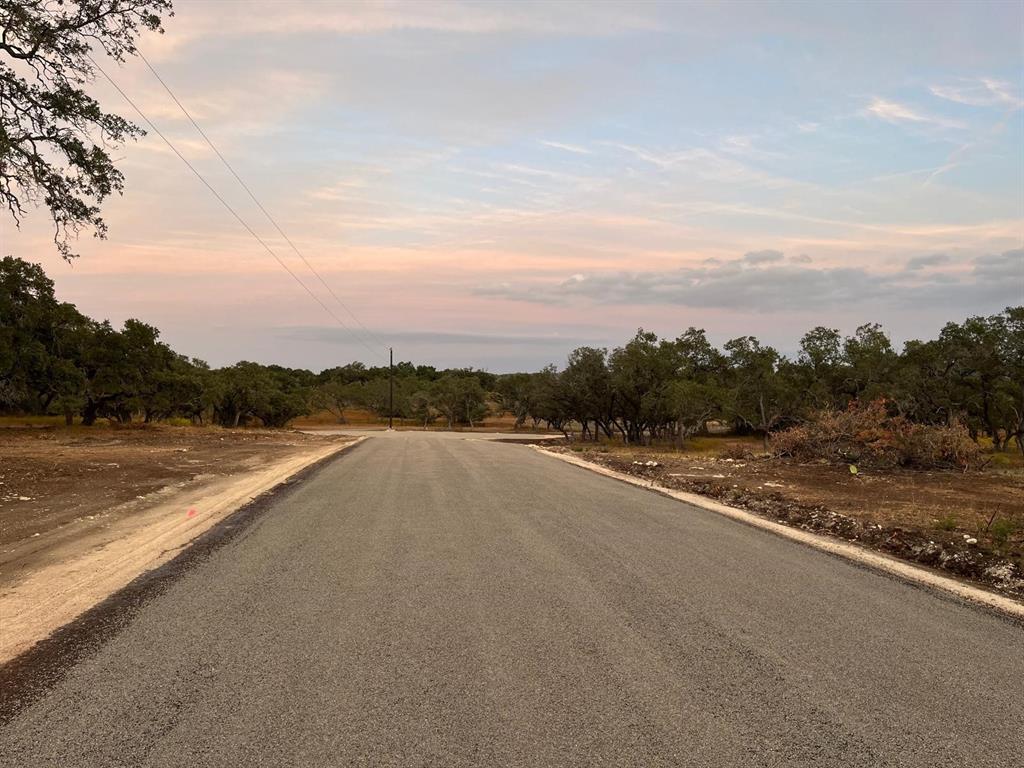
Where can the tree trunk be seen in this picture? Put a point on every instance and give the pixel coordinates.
(89, 412)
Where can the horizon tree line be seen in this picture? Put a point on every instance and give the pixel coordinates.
(56, 361)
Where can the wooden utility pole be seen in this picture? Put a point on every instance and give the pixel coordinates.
(391, 389)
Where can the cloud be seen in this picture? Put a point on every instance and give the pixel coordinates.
(983, 92)
(920, 262)
(896, 113)
(573, 148)
(803, 258)
(992, 281)
(762, 257)
(329, 335)
(1006, 268)
(197, 20)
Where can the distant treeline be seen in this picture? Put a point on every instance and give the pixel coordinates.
(54, 360)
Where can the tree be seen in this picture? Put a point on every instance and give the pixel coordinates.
(820, 363)
(54, 138)
(691, 404)
(978, 371)
(460, 399)
(870, 363)
(1013, 384)
(515, 393)
(421, 407)
(587, 391)
(759, 397)
(640, 373)
(697, 392)
(337, 396)
(39, 338)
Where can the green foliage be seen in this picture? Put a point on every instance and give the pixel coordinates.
(966, 385)
(459, 398)
(54, 138)
(1002, 529)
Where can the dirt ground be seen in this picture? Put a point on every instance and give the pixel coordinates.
(54, 478)
(971, 524)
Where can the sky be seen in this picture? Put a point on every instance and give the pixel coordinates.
(492, 185)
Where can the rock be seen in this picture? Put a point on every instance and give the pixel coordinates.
(970, 540)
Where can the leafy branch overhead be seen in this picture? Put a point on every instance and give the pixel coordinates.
(55, 139)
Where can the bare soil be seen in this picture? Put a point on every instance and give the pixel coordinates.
(54, 478)
(969, 524)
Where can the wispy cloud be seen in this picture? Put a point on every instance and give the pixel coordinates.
(983, 92)
(894, 112)
(573, 148)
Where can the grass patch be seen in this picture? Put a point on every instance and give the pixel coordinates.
(1002, 529)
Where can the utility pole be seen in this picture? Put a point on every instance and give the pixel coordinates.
(391, 389)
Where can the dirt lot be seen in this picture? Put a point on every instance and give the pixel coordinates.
(969, 524)
(53, 478)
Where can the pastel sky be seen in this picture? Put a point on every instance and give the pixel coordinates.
(494, 184)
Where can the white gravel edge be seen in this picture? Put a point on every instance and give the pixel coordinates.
(860, 555)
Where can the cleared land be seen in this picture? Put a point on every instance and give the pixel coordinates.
(970, 524)
(88, 477)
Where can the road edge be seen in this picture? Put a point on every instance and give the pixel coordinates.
(25, 677)
(845, 550)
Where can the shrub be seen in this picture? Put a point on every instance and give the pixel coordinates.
(1001, 530)
(868, 436)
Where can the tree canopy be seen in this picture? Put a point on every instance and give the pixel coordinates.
(55, 360)
(55, 139)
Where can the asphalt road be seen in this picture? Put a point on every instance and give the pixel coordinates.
(436, 601)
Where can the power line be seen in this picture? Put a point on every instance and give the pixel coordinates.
(259, 205)
(225, 203)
